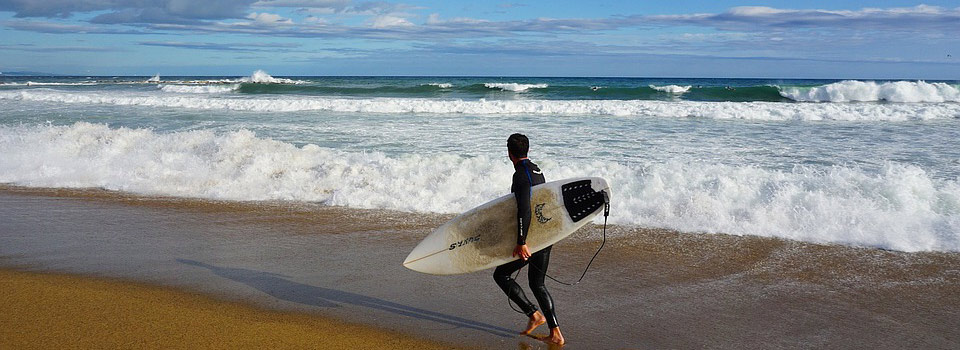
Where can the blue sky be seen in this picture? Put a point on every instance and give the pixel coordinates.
(680, 38)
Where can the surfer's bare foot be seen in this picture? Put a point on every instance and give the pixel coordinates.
(555, 336)
(536, 320)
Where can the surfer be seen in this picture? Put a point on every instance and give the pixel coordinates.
(526, 175)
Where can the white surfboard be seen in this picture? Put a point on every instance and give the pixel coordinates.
(486, 236)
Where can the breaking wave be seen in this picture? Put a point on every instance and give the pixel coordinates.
(440, 85)
(515, 87)
(33, 83)
(198, 89)
(257, 77)
(868, 91)
(899, 207)
(644, 108)
(262, 77)
(673, 89)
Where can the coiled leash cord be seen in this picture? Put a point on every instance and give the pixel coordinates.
(606, 213)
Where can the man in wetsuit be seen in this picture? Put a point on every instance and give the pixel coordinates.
(526, 175)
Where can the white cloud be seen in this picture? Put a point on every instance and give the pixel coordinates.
(434, 19)
(760, 18)
(314, 20)
(250, 47)
(318, 10)
(269, 18)
(388, 21)
(303, 3)
(324, 18)
(756, 11)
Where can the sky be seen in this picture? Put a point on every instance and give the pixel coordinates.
(840, 39)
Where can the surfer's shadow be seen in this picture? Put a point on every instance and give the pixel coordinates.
(281, 288)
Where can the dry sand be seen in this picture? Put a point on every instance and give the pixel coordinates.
(55, 311)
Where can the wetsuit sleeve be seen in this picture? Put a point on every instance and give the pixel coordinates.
(521, 184)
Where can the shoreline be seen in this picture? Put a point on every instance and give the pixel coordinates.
(678, 290)
(53, 310)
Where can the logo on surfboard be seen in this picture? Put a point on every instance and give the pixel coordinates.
(464, 242)
(539, 210)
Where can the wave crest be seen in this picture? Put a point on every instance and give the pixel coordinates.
(261, 77)
(673, 89)
(440, 85)
(515, 87)
(868, 91)
(33, 83)
(198, 89)
(643, 108)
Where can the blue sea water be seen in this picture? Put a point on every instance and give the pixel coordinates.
(865, 163)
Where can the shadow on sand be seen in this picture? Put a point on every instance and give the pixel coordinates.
(276, 286)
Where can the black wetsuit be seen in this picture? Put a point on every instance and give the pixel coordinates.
(527, 175)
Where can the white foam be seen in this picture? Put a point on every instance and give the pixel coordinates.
(257, 77)
(32, 83)
(869, 91)
(643, 108)
(440, 85)
(673, 89)
(262, 77)
(515, 87)
(198, 89)
(240, 166)
(155, 79)
(900, 207)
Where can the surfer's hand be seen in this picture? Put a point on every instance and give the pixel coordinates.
(522, 251)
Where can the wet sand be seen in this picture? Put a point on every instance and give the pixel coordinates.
(647, 289)
(54, 311)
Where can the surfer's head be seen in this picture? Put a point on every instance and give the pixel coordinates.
(517, 146)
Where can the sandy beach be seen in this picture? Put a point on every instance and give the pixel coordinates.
(55, 311)
(647, 289)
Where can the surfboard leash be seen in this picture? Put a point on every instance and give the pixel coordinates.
(606, 213)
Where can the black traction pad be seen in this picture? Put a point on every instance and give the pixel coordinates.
(580, 199)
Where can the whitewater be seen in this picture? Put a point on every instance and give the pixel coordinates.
(861, 163)
(681, 109)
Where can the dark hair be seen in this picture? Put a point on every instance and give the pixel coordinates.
(518, 145)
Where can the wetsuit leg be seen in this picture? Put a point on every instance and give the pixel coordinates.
(537, 270)
(504, 277)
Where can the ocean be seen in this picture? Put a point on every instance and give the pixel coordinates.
(859, 163)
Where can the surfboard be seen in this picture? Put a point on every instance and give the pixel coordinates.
(486, 236)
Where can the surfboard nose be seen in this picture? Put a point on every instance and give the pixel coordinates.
(421, 259)
(424, 265)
